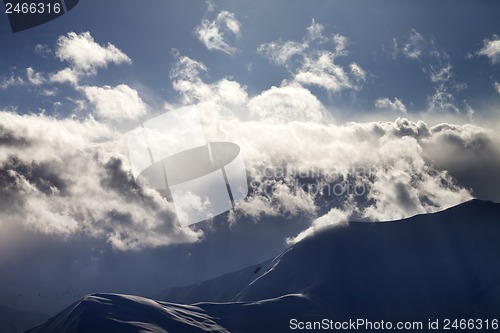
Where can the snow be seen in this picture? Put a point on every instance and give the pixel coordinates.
(435, 266)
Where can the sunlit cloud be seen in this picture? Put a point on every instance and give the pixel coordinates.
(395, 105)
(491, 49)
(315, 66)
(214, 33)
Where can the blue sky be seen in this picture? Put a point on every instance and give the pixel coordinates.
(408, 91)
(148, 31)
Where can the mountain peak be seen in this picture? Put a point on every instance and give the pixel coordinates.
(441, 265)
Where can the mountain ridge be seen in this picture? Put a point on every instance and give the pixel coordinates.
(431, 266)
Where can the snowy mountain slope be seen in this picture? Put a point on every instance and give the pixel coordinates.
(126, 314)
(427, 266)
(457, 248)
(442, 265)
(123, 313)
(221, 289)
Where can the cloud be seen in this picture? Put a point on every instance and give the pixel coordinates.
(412, 49)
(497, 87)
(303, 164)
(185, 79)
(335, 217)
(185, 76)
(11, 81)
(315, 66)
(280, 52)
(83, 53)
(470, 154)
(491, 49)
(441, 74)
(66, 75)
(300, 163)
(85, 57)
(213, 34)
(357, 71)
(67, 180)
(34, 78)
(320, 70)
(210, 6)
(119, 103)
(340, 43)
(285, 104)
(435, 63)
(442, 100)
(68, 177)
(387, 104)
(116, 103)
(315, 32)
(42, 50)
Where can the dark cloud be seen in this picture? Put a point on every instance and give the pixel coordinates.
(120, 180)
(470, 155)
(8, 138)
(70, 183)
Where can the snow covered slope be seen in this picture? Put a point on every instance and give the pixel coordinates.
(435, 266)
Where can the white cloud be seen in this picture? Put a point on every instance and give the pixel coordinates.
(315, 32)
(85, 57)
(214, 34)
(49, 92)
(442, 100)
(42, 50)
(116, 103)
(340, 43)
(295, 134)
(497, 87)
(210, 5)
(441, 74)
(282, 127)
(470, 111)
(395, 48)
(357, 71)
(320, 70)
(68, 177)
(285, 104)
(185, 79)
(335, 217)
(412, 49)
(436, 65)
(315, 66)
(84, 54)
(385, 103)
(34, 78)
(66, 75)
(11, 81)
(491, 49)
(280, 52)
(231, 92)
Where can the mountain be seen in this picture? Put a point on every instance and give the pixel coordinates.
(433, 266)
